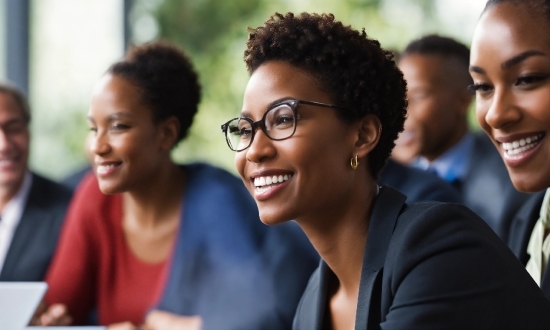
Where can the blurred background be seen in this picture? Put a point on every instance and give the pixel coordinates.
(55, 50)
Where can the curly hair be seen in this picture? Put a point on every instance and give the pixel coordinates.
(353, 69)
(537, 6)
(166, 81)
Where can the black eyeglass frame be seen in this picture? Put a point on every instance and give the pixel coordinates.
(261, 123)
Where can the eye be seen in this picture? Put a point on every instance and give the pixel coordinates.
(528, 80)
(480, 88)
(119, 127)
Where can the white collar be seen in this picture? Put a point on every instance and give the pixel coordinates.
(12, 212)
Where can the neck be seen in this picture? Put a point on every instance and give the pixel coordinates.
(451, 142)
(158, 201)
(340, 237)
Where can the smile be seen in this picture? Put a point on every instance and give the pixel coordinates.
(262, 181)
(522, 145)
(102, 169)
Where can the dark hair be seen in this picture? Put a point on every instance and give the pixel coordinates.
(166, 80)
(19, 98)
(353, 69)
(434, 44)
(536, 5)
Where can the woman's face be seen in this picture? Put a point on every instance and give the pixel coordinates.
(510, 65)
(315, 161)
(124, 140)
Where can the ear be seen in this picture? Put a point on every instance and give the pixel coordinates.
(168, 131)
(369, 130)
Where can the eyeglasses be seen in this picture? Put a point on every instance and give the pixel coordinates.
(278, 123)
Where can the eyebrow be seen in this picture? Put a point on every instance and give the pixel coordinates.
(114, 116)
(511, 62)
(270, 105)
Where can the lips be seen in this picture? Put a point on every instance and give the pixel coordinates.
(267, 183)
(106, 167)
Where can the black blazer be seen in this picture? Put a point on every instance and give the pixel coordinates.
(521, 230)
(487, 189)
(432, 266)
(35, 237)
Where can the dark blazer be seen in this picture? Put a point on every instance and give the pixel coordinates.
(487, 189)
(432, 266)
(521, 230)
(418, 185)
(227, 266)
(35, 237)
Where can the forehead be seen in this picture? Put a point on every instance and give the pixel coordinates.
(274, 81)
(510, 29)
(9, 109)
(428, 68)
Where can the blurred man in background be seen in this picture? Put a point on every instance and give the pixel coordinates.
(32, 208)
(436, 70)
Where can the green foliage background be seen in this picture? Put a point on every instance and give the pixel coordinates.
(214, 33)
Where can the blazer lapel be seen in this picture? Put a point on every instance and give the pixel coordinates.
(387, 207)
(23, 235)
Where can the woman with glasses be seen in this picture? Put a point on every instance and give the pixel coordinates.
(322, 108)
(510, 66)
(151, 243)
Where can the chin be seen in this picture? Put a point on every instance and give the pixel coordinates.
(530, 183)
(109, 188)
(271, 219)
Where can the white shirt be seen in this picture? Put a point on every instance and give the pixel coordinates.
(12, 215)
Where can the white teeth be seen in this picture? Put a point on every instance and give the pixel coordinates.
(268, 180)
(105, 168)
(517, 147)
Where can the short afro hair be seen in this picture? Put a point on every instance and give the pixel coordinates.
(353, 69)
(166, 81)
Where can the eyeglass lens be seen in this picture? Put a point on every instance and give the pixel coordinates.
(278, 124)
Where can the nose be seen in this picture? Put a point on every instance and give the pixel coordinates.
(98, 144)
(261, 148)
(500, 111)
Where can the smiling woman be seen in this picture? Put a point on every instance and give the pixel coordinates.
(167, 246)
(510, 65)
(385, 263)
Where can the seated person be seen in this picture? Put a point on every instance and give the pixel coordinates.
(151, 243)
(510, 67)
(32, 208)
(436, 71)
(321, 111)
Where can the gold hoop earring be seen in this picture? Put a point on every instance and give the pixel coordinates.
(354, 162)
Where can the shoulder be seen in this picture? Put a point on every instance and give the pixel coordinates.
(306, 311)
(208, 185)
(417, 184)
(48, 192)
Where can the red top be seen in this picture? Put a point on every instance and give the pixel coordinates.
(94, 267)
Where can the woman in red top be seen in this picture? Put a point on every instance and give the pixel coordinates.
(140, 109)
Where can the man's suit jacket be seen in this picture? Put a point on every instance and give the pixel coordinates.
(487, 189)
(432, 266)
(521, 230)
(36, 235)
(418, 185)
